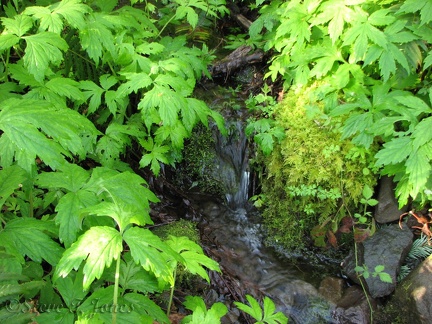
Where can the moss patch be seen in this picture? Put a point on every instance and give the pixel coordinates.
(310, 172)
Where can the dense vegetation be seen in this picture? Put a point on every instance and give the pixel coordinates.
(85, 82)
(372, 62)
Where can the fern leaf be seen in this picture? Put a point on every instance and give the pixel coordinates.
(98, 246)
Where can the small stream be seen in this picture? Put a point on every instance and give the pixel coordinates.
(236, 227)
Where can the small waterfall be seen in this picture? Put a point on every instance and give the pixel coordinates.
(233, 164)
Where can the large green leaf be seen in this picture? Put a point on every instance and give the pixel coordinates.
(194, 258)
(395, 151)
(41, 50)
(64, 130)
(71, 290)
(69, 210)
(28, 235)
(148, 250)
(99, 247)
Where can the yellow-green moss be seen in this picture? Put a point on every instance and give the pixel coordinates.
(310, 171)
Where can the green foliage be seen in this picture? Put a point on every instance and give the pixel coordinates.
(310, 171)
(83, 84)
(200, 312)
(373, 62)
(379, 271)
(269, 316)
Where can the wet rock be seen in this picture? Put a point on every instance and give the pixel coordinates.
(332, 288)
(353, 308)
(413, 297)
(387, 210)
(388, 247)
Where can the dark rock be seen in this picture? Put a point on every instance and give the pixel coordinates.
(332, 288)
(388, 247)
(387, 210)
(354, 308)
(413, 296)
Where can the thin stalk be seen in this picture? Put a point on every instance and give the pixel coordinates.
(362, 284)
(116, 286)
(171, 293)
(163, 28)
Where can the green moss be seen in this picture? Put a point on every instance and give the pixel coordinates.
(197, 168)
(182, 227)
(310, 172)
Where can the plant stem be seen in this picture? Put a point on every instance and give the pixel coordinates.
(362, 284)
(163, 28)
(171, 293)
(116, 286)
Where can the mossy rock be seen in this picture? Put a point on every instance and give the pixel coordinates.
(179, 228)
(313, 176)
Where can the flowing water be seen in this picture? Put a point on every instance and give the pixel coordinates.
(237, 229)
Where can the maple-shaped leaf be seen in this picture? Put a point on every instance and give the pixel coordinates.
(18, 25)
(29, 237)
(167, 102)
(93, 92)
(48, 21)
(136, 81)
(99, 247)
(195, 110)
(424, 6)
(295, 25)
(156, 155)
(337, 14)
(65, 129)
(148, 250)
(69, 210)
(363, 32)
(176, 133)
(189, 13)
(51, 18)
(134, 277)
(43, 49)
(123, 214)
(194, 258)
(105, 182)
(96, 36)
(71, 289)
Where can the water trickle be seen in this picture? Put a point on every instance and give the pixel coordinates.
(237, 229)
(233, 164)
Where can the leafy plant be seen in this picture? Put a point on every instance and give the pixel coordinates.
(84, 85)
(373, 62)
(379, 272)
(200, 312)
(310, 171)
(268, 316)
